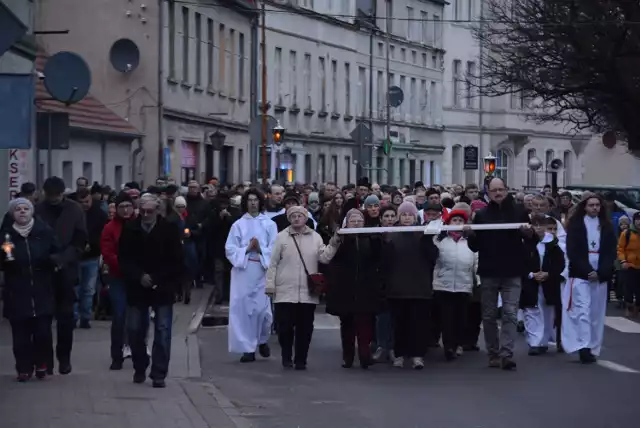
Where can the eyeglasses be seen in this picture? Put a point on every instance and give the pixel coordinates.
(147, 211)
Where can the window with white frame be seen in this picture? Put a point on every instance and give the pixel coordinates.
(471, 73)
(432, 99)
(307, 80)
(410, 22)
(457, 82)
(437, 30)
(424, 25)
(323, 83)
(172, 39)
(470, 14)
(412, 100)
(210, 53)
(185, 44)
(334, 85)
(362, 88)
(232, 62)
(455, 6)
(241, 65)
(389, 16)
(532, 176)
(198, 20)
(278, 75)
(502, 165)
(293, 77)
(566, 172)
(548, 157)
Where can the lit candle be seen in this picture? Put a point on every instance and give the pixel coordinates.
(187, 231)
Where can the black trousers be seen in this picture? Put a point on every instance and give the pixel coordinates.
(410, 320)
(295, 328)
(473, 320)
(31, 343)
(452, 308)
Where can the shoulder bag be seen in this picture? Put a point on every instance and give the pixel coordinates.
(315, 281)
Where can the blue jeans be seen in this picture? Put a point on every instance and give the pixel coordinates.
(138, 325)
(88, 277)
(118, 297)
(384, 331)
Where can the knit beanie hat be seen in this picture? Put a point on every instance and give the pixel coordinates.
(462, 206)
(20, 201)
(123, 197)
(352, 212)
(627, 220)
(408, 208)
(477, 204)
(297, 209)
(180, 202)
(371, 200)
(456, 213)
(433, 207)
(313, 197)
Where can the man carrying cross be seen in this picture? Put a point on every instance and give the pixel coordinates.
(501, 265)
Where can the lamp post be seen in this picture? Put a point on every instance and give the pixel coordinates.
(217, 140)
(489, 164)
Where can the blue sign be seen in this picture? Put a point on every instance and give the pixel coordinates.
(166, 160)
(16, 110)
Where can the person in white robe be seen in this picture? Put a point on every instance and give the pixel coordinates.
(248, 248)
(591, 250)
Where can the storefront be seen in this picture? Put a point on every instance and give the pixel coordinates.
(188, 162)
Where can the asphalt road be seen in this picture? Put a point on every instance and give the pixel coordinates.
(552, 391)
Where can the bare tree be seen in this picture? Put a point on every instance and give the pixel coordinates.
(578, 59)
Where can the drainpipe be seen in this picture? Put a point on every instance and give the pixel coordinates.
(481, 151)
(253, 98)
(161, 142)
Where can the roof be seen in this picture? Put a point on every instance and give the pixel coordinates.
(87, 115)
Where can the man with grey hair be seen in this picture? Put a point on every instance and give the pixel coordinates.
(152, 265)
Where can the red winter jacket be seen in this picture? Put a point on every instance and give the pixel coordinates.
(109, 245)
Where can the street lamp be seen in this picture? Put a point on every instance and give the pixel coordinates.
(489, 164)
(278, 133)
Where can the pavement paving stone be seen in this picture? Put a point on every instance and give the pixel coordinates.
(92, 396)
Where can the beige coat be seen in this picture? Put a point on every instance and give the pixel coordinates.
(286, 277)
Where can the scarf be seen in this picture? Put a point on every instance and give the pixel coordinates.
(23, 230)
(455, 235)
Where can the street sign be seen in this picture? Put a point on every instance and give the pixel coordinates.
(255, 130)
(396, 96)
(361, 132)
(387, 146)
(471, 157)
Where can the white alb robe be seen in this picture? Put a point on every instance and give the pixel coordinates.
(584, 303)
(250, 315)
(539, 321)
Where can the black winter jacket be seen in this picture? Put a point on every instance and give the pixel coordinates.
(29, 285)
(553, 263)
(578, 251)
(501, 253)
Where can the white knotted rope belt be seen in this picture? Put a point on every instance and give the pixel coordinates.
(430, 229)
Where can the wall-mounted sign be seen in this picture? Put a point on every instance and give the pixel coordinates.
(471, 158)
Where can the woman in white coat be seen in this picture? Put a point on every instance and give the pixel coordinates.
(453, 282)
(296, 253)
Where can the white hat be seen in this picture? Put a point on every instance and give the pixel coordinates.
(180, 202)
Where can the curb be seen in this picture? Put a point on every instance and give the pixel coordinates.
(198, 315)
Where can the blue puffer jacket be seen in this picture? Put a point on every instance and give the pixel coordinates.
(29, 285)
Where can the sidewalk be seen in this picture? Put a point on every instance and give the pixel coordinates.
(96, 397)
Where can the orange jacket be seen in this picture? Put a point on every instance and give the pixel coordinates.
(629, 253)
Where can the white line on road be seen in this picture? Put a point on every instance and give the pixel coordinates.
(616, 367)
(623, 325)
(326, 322)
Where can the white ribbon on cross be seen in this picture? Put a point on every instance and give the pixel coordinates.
(433, 228)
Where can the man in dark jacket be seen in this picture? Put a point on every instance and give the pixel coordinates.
(291, 199)
(198, 208)
(152, 265)
(89, 264)
(501, 266)
(68, 222)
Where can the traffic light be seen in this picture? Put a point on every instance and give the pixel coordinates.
(387, 146)
(278, 134)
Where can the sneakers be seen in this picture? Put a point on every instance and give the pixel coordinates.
(380, 355)
(41, 372)
(398, 362)
(459, 351)
(417, 363)
(126, 352)
(23, 377)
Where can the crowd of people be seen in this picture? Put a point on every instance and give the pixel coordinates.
(276, 252)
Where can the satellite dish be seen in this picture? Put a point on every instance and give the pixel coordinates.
(396, 96)
(124, 55)
(67, 77)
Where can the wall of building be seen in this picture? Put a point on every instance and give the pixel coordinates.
(613, 167)
(505, 129)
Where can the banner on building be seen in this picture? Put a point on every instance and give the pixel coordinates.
(18, 170)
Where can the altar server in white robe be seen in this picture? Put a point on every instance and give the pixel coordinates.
(591, 250)
(248, 249)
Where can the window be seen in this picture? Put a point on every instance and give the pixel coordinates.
(241, 65)
(401, 171)
(414, 57)
(421, 175)
(278, 75)
(293, 77)
(548, 157)
(392, 52)
(334, 85)
(412, 171)
(347, 167)
(469, 10)
(222, 50)
(502, 165)
(232, 62)
(389, 16)
(516, 100)
(379, 166)
(403, 54)
(410, 22)
(210, 53)
(432, 99)
(424, 60)
(172, 39)
(321, 167)
(532, 176)
(391, 173)
(471, 72)
(307, 80)
(424, 102)
(402, 85)
(347, 89)
(432, 172)
(566, 172)
(424, 21)
(87, 171)
(198, 19)
(307, 169)
(240, 164)
(306, 4)
(456, 82)
(334, 169)
(434, 61)
(455, 5)
(185, 44)
(362, 89)
(437, 29)
(412, 100)
(323, 84)
(381, 94)
(117, 177)
(381, 49)
(67, 172)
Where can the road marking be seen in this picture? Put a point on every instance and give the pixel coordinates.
(616, 367)
(622, 324)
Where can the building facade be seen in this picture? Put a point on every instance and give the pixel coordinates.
(495, 125)
(319, 71)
